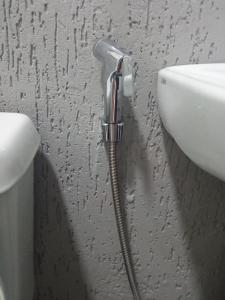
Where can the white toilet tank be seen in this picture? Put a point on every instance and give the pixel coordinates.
(19, 142)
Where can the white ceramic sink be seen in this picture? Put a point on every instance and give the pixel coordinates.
(192, 108)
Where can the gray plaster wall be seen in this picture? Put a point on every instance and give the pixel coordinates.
(175, 211)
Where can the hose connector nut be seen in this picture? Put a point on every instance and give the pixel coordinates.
(112, 132)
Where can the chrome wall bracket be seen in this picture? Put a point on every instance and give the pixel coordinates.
(117, 81)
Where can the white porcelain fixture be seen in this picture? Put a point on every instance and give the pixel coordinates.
(192, 108)
(19, 142)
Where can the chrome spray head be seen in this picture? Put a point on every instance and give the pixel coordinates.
(117, 81)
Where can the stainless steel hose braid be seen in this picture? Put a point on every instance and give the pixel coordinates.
(112, 149)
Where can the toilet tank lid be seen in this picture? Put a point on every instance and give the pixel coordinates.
(19, 142)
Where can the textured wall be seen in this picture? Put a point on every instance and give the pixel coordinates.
(175, 211)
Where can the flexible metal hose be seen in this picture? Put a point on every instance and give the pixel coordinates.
(120, 219)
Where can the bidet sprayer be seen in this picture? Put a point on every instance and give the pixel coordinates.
(117, 81)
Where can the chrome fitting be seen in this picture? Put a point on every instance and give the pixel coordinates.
(112, 132)
(117, 81)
